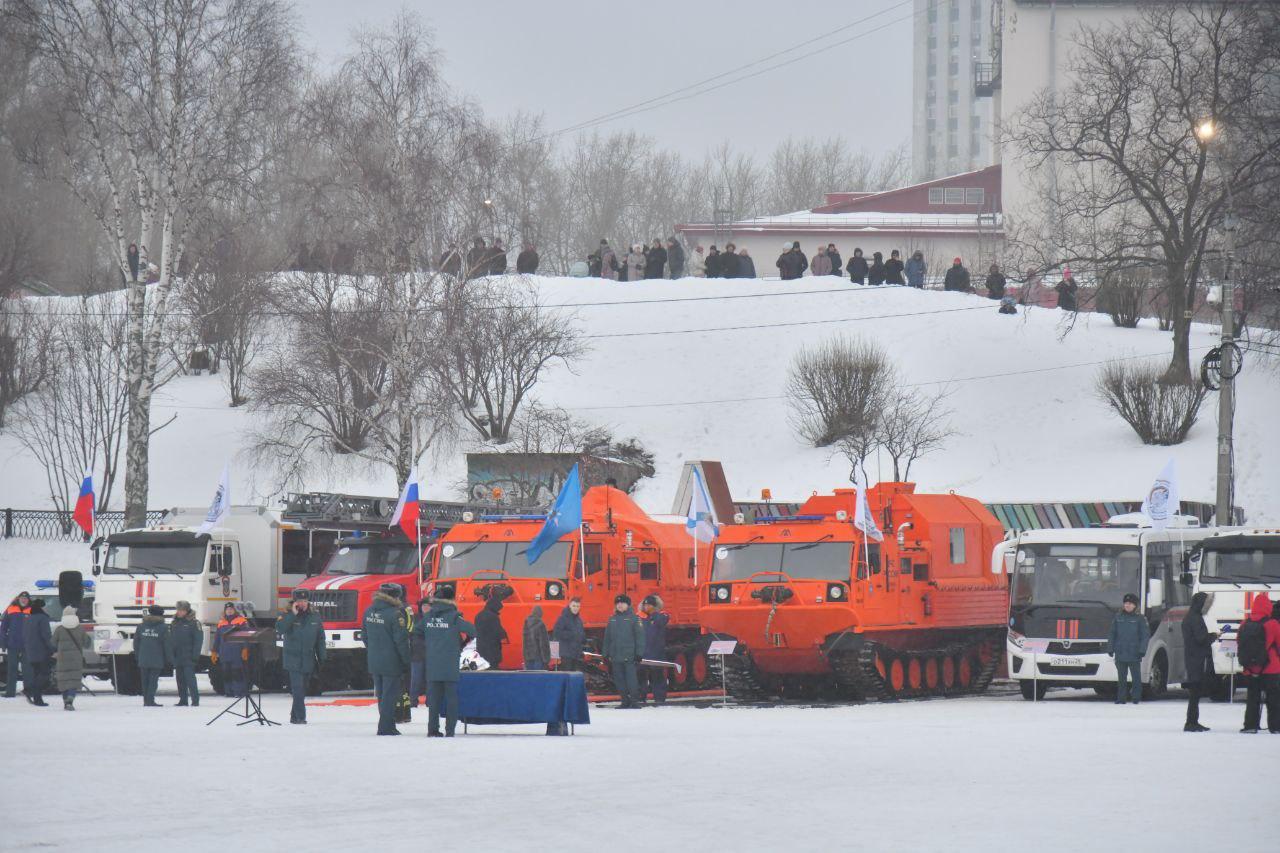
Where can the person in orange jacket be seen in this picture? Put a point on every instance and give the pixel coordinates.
(229, 655)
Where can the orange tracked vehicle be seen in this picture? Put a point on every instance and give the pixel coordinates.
(814, 608)
(626, 551)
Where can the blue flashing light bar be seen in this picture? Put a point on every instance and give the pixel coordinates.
(48, 584)
(775, 519)
(542, 517)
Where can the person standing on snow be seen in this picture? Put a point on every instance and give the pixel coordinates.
(228, 655)
(654, 678)
(69, 643)
(1258, 645)
(916, 269)
(571, 634)
(712, 265)
(791, 263)
(699, 267)
(995, 282)
(489, 631)
(837, 264)
(386, 637)
(443, 630)
(623, 647)
(184, 640)
(893, 269)
(498, 258)
(1066, 290)
(1127, 643)
(675, 258)
(477, 259)
(150, 649)
(418, 655)
(957, 278)
(635, 263)
(876, 274)
(536, 641)
(1197, 642)
(527, 260)
(11, 640)
(746, 266)
(655, 260)
(857, 268)
(304, 650)
(821, 263)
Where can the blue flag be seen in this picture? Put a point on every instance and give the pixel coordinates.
(565, 517)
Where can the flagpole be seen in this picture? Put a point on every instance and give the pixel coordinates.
(582, 552)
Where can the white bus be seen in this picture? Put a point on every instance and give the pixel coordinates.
(1065, 587)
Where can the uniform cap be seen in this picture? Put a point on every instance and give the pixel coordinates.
(622, 598)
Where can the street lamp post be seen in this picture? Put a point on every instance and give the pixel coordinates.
(1206, 132)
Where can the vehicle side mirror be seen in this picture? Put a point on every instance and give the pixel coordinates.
(1187, 579)
(1155, 592)
(96, 548)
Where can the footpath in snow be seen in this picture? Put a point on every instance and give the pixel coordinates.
(988, 773)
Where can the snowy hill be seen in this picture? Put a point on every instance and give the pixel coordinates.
(704, 378)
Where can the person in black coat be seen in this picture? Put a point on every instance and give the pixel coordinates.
(418, 656)
(1067, 292)
(714, 267)
(653, 679)
(729, 266)
(498, 258)
(857, 268)
(37, 640)
(489, 631)
(995, 283)
(746, 266)
(837, 264)
(675, 257)
(893, 269)
(876, 273)
(957, 278)
(527, 260)
(655, 260)
(132, 256)
(477, 259)
(791, 264)
(570, 633)
(1197, 642)
(451, 261)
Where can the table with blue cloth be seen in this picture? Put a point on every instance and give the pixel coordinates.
(496, 697)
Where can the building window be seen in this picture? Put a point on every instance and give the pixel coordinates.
(975, 121)
(974, 195)
(955, 13)
(954, 195)
(976, 38)
(935, 195)
(953, 67)
(930, 126)
(953, 124)
(975, 10)
(932, 69)
(955, 40)
(933, 14)
(953, 149)
(933, 42)
(953, 96)
(957, 546)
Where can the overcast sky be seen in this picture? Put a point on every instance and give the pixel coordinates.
(574, 60)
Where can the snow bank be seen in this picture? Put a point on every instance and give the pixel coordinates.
(1030, 427)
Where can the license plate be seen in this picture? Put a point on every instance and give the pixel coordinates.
(329, 644)
(1061, 661)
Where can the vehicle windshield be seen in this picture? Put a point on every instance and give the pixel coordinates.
(829, 561)
(1076, 574)
(375, 558)
(148, 559)
(1246, 564)
(462, 559)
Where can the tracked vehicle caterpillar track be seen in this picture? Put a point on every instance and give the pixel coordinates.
(870, 670)
(741, 680)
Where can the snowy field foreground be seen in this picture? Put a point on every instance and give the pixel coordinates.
(992, 773)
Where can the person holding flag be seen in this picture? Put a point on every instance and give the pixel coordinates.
(83, 514)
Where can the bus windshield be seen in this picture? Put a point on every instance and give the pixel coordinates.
(1244, 560)
(462, 559)
(374, 558)
(830, 561)
(1076, 574)
(157, 559)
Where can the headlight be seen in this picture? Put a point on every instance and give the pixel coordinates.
(723, 593)
(1016, 638)
(555, 590)
(835, 592)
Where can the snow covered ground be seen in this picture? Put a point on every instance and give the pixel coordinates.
(705, 379)
(984, 774)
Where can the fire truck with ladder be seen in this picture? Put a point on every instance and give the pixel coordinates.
(620, 549)
(815, 607)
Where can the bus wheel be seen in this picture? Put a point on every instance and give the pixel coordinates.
(1157, 678)
(1032, 690)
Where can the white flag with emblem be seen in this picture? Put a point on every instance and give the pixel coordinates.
(1161, 503)
(862, 518)
(221, 506)
(700, 521)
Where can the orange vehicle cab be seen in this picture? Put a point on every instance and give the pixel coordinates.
(621, 549)
(816, 607)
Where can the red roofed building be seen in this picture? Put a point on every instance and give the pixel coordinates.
(957, 216)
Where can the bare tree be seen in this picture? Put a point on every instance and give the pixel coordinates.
(1159, 412)
(1124, 136)
(165, 106)
(913, 424)
(25, 351)
(837, 390)
(76, 421)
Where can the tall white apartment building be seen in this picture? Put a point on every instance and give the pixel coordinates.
(951, 126)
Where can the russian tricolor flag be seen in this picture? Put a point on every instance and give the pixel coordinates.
(83, 514)
(407, 513)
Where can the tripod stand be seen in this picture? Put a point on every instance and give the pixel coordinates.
(252, 710)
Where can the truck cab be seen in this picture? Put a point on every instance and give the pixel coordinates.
(1233, 565)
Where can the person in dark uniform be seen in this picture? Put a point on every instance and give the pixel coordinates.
(443, 631)
(303, 632)
(150, 643)
(37, 641)
(11, 640)
(418, 655)
(1197, 642)
(570, 633)
(386, 637)
(536, 641)
(624, 646)
(489, 631)
(185, 639)
(654, 678)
